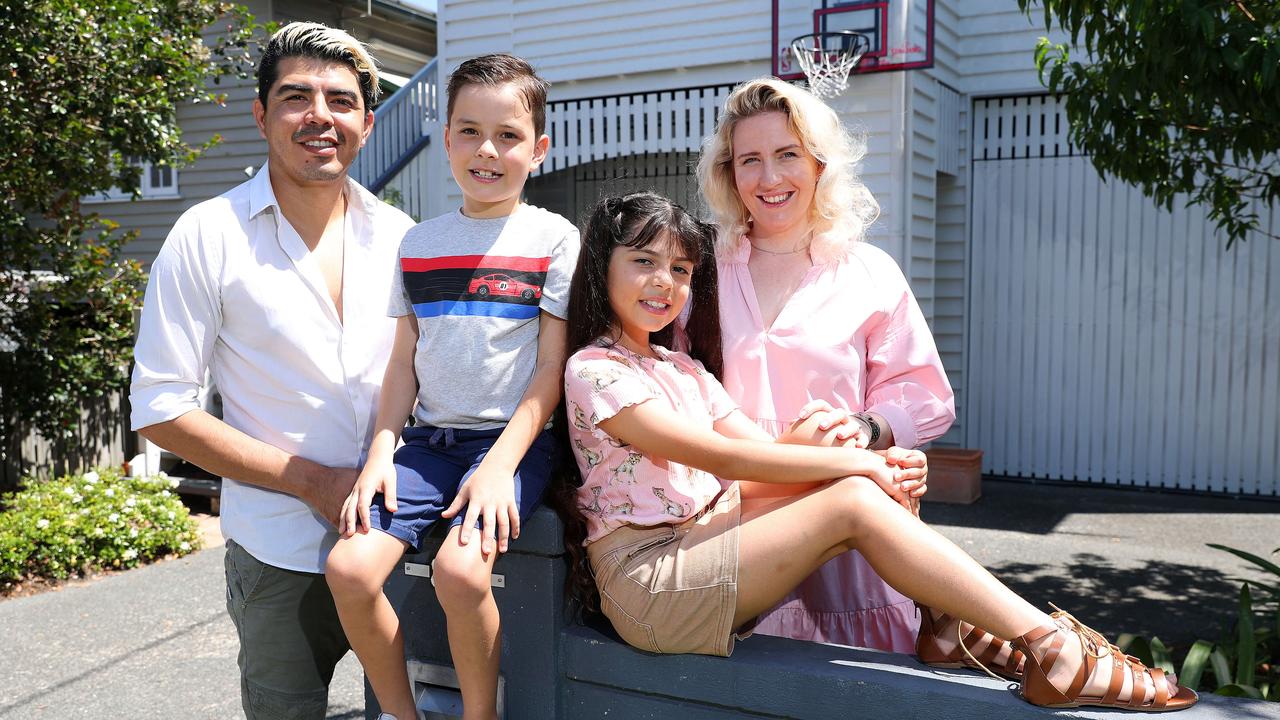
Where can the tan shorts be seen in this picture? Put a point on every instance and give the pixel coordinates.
(674, 588)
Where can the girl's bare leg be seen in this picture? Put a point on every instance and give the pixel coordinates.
(782, 541)
(356, 570)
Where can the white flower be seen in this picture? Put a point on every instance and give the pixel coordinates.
(42, 523)
(113, 517)
(133, 532)
(174, 483)
(171, 516)
(109, 492)
(91, 477)
(185, 546)
(130, 554)
(165, 493)
(97, 532)
(76, 499)
(130, 502)
(68, 490)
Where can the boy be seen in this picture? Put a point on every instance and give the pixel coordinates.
(480, 295)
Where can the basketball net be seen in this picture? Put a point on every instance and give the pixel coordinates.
(827, 58)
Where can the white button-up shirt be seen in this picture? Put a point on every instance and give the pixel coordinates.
(235, 291)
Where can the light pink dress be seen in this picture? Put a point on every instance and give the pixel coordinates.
(853, 335)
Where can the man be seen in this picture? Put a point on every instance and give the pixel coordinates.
(279, 289)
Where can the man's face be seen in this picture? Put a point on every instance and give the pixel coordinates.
(314, 122)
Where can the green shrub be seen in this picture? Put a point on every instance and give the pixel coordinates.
(1245, 662)
(99, 520)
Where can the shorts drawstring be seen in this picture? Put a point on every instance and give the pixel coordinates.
(442, 437)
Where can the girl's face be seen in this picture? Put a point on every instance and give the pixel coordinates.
(775, 176)
(648, 287)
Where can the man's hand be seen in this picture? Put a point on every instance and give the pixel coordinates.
(328, 490)
(490, 496)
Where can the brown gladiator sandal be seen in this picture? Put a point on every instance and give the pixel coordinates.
(1037, 690)
(930, 651)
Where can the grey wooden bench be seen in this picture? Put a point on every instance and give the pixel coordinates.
(553, 669)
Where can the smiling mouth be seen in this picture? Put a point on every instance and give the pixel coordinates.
(486, 174)
(776, 198)
(656, 306)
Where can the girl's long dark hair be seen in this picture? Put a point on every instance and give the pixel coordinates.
(634, 220)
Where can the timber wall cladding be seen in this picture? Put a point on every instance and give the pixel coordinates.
(1111, 341)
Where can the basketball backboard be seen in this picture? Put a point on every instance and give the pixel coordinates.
(900, 31)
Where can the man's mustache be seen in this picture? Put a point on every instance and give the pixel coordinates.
(319, 132)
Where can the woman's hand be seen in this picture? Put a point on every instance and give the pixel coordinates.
(833, 425)
(376, 477)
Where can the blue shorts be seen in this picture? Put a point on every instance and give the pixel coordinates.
(434, 464)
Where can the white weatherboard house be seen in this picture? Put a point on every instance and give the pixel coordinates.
(1088, 335)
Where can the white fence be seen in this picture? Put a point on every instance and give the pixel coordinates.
(1110, 341)
(590, 129)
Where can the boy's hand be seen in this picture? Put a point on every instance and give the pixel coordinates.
(490, 496)
(376, 477)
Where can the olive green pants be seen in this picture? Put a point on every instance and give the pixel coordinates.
(290, 637)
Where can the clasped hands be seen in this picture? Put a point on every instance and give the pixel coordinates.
(837, 427)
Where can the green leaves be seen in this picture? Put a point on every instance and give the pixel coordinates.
(1179, 97)
(98, 520)
(88, 84)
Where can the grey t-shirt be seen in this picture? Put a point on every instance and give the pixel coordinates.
(476, 288)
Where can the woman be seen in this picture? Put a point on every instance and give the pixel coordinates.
(810, 311)
(683, 556)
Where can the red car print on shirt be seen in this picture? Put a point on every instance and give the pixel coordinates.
(500, 284)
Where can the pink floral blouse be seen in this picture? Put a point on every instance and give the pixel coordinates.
(851, 334)
(621, 486)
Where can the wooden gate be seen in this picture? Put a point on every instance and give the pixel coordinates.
(1110, 341)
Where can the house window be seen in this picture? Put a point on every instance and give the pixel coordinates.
(158, 181)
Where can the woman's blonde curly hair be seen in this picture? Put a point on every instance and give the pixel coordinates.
(842, 209)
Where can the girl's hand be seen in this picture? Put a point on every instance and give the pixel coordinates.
(376, 477)
(888, 477)
(489, 496)
(913, 473)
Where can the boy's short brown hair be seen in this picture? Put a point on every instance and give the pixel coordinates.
(500, 69)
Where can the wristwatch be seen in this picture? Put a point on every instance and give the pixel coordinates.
(873, 427)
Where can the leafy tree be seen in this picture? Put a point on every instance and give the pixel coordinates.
(89, 84)
(1175, 96)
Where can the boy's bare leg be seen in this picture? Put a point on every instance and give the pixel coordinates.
(462, 577)
(356, 570)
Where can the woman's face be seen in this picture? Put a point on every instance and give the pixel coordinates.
(775, 176)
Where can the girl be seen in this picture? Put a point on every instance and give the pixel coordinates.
(682, 562)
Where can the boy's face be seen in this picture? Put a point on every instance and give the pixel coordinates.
(492, 148)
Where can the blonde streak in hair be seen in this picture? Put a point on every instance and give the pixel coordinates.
(331, 41)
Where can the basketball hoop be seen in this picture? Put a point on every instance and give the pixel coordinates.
(827, 58)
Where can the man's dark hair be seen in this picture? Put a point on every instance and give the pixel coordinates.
(321, 42)
(500, 69)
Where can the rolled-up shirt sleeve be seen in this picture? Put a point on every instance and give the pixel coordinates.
(181, 317)
(906, 383)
